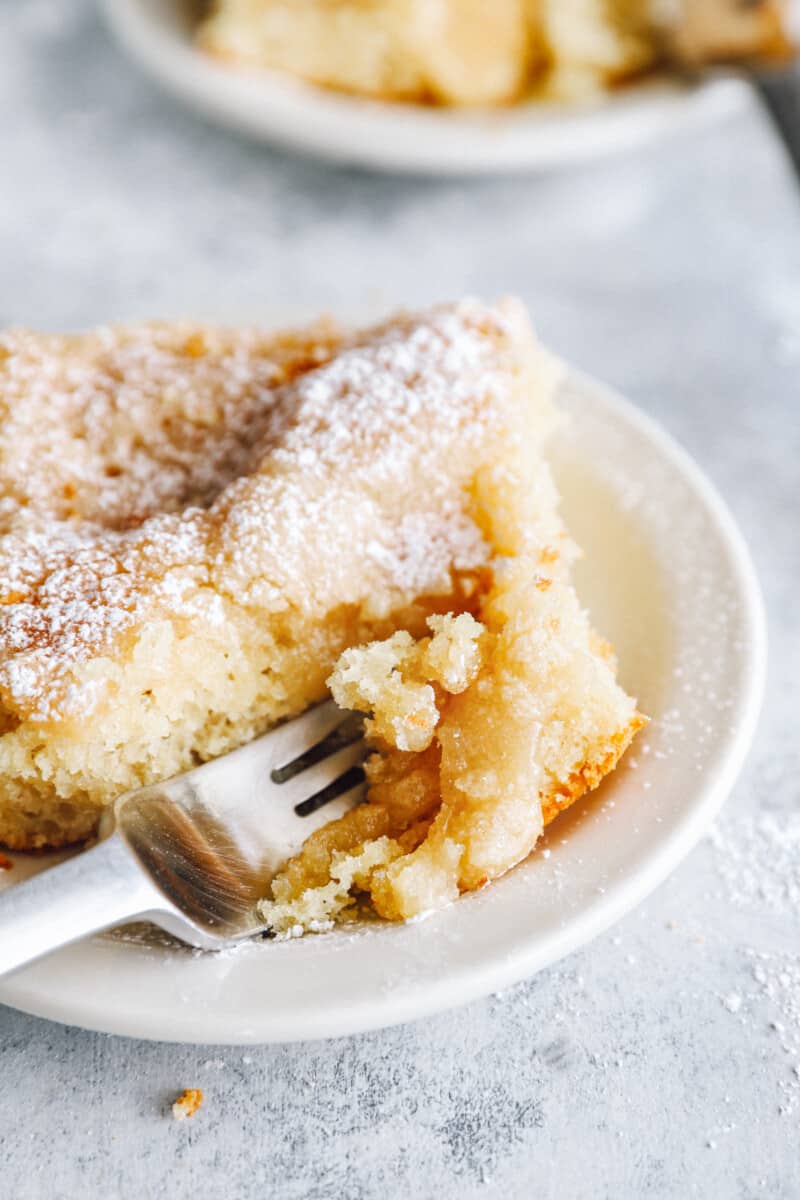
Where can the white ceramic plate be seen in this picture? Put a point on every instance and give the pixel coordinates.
(403, 137)
(669, 581)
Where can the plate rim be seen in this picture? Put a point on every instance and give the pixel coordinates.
(536, 951)
(406, 138)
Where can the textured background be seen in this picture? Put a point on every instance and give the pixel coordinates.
(662, 1061)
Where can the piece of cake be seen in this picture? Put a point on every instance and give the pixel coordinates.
(195, 524)
(451, 52)
(465, 52)
(698, 31)
(199, 528)
(484, 729)
(594, 44)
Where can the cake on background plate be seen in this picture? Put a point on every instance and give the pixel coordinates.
(468, 52)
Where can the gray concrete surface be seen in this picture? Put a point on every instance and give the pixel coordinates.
(664, 1059)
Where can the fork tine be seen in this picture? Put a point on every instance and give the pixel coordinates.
(342, 804)
(299, 735)
(321, 774)
(211, 839)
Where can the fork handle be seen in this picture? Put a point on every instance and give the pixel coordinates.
(98, 888)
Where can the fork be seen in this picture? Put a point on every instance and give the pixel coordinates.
(195, 854)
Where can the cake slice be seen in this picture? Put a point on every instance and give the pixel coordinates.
(698, 31)
(594, 44)
(500, 716)
(465, 52)
(450, 52)
(195, 523)
(600, 43)
(201, 530)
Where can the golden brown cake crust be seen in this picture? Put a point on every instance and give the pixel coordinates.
(592, 773)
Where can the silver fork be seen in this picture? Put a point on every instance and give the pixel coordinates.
(196, 853)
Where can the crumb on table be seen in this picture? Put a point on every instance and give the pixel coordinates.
(187, 1103)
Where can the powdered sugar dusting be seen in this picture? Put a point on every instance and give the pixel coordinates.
(177, 465)
(776, 981)
(758, 861)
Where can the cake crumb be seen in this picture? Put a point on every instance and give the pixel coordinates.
(187, 1103)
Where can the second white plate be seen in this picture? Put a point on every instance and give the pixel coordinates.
(406, 137)
(669, 581)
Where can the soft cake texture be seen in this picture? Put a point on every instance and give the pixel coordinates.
(484, 730)
(469, 52)
(195, 523)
